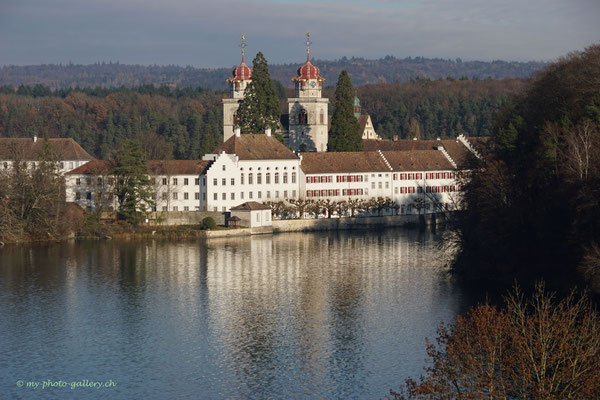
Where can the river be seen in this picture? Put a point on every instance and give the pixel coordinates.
(289, 316)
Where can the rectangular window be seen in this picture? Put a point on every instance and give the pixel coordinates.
(164, 208)
(224, 168)
(224, 196)
(285, 180)
(250, 195)
(242, 179)
(203, 196)
(277, 194)
(175, 208)
(215, 182)
(174, 181)
(164, 196)
(197, 181)
(268, 194)
(387, 185)
(285, 192)
(77, 196)
(77, 181)
(250, 179)
(276, 177)
(293, 194)
(267, 178)
(186, 196)
(185, 181)
(214, 196)
(242, 195)
(164, 181)
(186, 208)
(232, 196)
(372, 185)
(259, 194)
(197, 196)
(379, 185)
(293, 177)
(174, 196)
(259, 178)
(232, 181)
(223, 182)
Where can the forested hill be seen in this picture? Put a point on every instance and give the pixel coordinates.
(185, 123)
(362, 71)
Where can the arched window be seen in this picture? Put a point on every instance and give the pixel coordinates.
(250, 178)
(302, 117)
(276, 177)
(258, 178)
(285, 177)
(293, 177)
(267, 178)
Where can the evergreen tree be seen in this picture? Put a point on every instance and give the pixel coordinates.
(345, 130)
(260, 107)
(133, 186)
(208, 142)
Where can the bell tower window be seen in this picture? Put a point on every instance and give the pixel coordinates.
(302, 118)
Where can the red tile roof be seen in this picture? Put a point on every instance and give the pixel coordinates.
(362, 121)
(26, 149)
(155, 167)
(178, 167)
(250, 206)
(347, 162)
(256, 147)
(422, 160)
(459, 153)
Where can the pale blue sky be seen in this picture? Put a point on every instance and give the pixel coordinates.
(206, 33)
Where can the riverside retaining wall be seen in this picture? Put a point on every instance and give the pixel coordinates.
(346, 223)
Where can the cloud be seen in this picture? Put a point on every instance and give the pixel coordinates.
(206, 34)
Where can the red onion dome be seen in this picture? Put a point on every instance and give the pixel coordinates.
(241, 73)
(308, 71)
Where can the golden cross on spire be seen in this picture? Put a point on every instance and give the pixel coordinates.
(243, 46)
(308, 43)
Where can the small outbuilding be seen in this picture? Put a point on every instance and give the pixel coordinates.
(233, 222)
(252, 214)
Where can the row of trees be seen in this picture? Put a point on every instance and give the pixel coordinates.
(299, 208)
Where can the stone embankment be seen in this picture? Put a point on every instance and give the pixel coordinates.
(330, 224)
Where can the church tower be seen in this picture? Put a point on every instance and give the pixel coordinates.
(242, 76)
(308, 110)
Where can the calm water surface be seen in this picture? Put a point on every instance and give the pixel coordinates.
(291, 316)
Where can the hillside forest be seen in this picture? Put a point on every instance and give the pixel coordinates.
(362, 72)
(185, 123)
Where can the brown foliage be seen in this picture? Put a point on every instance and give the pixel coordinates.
(531, 349)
